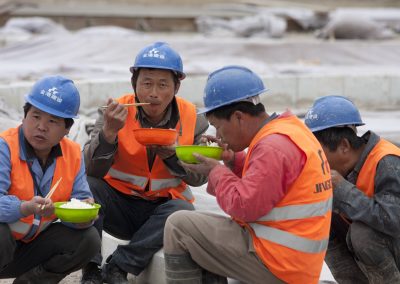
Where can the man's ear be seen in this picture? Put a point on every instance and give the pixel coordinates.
(344, 146)
(67, 130)
(177, 86)
(237, 116)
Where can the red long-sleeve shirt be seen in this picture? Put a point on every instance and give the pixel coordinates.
(275, 163)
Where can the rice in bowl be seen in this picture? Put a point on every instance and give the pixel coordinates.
(76, 204)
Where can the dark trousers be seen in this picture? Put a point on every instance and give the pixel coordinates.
(135, 219)
(58, 249)
(364, 256)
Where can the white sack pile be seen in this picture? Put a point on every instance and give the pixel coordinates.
(259, 25)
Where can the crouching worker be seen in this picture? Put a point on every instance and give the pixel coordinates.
(280, 215)
(139, 186)
(364, 244)
(33, 157)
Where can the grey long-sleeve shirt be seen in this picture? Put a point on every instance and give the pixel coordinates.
(382, 211)
(99, 154)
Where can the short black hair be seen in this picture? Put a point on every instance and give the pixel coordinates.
(331, 137)
(135, 76)
(68, 121)
(225, 112)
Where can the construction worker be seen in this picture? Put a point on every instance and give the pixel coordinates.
(140, 186)
(34, 157)
(278, 195)
(364, 244)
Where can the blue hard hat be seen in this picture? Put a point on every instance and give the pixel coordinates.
(55, 95)
(332, 111)
(159, 55)
(230, 84)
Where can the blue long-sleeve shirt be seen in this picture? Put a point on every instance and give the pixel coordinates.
(10, 204)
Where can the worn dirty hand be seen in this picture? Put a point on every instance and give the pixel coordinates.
(336, 178)
(114, 119)
(227, 156)
(206, 140)
(204, 166)
(35, 205)
(163, 152)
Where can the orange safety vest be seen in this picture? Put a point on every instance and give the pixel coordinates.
(292, 238)
(22, 186)
(130, 173)
(366, 177)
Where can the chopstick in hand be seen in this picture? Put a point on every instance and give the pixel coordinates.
(48, 195)
(128, 105)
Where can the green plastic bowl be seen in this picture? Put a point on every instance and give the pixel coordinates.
(72, 215)
(184, 153)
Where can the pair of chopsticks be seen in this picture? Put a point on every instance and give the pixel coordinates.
(48, 195)
(128, 105)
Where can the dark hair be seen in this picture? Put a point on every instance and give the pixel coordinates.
(68, 121)
(331, 137)
(225, 112)
(135, 76)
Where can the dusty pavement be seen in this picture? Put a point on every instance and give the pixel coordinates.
(73, 278)
(70, 279)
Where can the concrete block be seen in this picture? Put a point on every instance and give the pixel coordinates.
(109, 244)
(281, 94)
(100, 90)
(312, 87)
(394, 91)
(371, 91)
(192, 89)
(13, 94)
(154, 273)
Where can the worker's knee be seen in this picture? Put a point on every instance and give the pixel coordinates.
(179, 219)
(368, 245)
(7, 245)
(178, 226)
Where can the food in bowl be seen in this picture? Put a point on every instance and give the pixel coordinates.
(185, 152)
(212, 144)
(76, 204)
(156, 136)
(76, 211)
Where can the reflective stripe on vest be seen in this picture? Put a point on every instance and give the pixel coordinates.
(289, 240)
(160, 184)
(133, 179)
(23, 228)
(140, 181)
(292, 212)
(187, 193)
(20, 227)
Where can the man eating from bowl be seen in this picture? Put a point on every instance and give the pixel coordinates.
(36, 158)
(139, 186)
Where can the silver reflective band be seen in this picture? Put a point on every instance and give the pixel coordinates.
(135, 180)
(289, 240)
(187, 193)
(20, 227)
(292, 212)
(23, 228)
(160, 184)
(140, 181)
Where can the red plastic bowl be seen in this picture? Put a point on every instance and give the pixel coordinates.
(155, 136)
